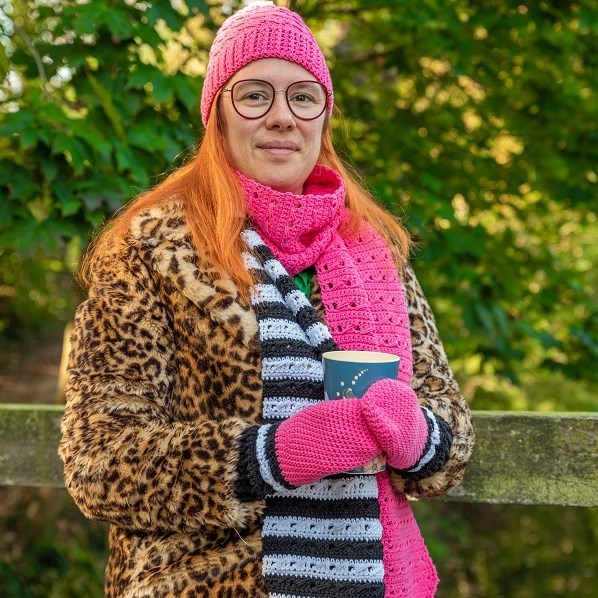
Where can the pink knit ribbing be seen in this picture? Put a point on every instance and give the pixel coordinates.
(298, 228)
(364, 298)
(324, 439)
(392, 412)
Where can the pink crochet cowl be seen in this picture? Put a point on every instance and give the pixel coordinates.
(365, 309)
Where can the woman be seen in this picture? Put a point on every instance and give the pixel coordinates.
(195, 422)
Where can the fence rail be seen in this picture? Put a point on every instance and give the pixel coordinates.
(519, 457)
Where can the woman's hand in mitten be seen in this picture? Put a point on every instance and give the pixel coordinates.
(323, 439)
(394, 415)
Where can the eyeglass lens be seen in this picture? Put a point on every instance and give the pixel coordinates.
(253, 98)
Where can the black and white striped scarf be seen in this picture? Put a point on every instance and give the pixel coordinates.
(324, 539)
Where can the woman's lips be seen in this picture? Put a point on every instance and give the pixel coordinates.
(279, 148)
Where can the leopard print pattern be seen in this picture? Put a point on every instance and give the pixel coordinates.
(164, 375)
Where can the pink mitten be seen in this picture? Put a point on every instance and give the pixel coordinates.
(324, 439)
(394, 415)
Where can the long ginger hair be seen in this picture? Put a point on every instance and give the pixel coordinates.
(213, 201)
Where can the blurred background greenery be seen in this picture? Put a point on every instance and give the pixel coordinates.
(475, 121)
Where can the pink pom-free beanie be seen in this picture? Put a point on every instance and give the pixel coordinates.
(261, 30)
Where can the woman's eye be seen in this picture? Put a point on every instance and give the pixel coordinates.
(302, 98)
(255, 96)
(252, 94)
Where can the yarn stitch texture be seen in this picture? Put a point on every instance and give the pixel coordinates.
(365, 309)
(364, 298)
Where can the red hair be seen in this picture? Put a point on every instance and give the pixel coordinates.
(213, 199)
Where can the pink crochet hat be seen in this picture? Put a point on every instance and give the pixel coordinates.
(261, 30)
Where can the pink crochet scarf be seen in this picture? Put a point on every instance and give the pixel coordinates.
(363, 296)
(365, 310)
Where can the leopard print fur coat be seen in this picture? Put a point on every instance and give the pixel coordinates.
(164, 375)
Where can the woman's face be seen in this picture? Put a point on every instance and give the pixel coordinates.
(278, 149)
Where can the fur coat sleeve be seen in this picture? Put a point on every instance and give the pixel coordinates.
(437, 389)
(146, 442)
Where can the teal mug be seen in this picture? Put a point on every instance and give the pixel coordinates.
(349, 374)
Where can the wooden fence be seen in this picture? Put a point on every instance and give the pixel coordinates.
(519, 457)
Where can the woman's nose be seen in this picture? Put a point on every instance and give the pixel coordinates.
(280, 114)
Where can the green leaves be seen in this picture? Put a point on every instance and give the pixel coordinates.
(90, 18)
(162, 11)
(72, 156)
(118, 23)
(105, 98)
(20, 123)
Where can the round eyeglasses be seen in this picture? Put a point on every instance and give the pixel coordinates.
(253, 98)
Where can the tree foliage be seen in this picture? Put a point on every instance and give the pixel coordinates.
(98, 100)
(104, 102)
(474, 121)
